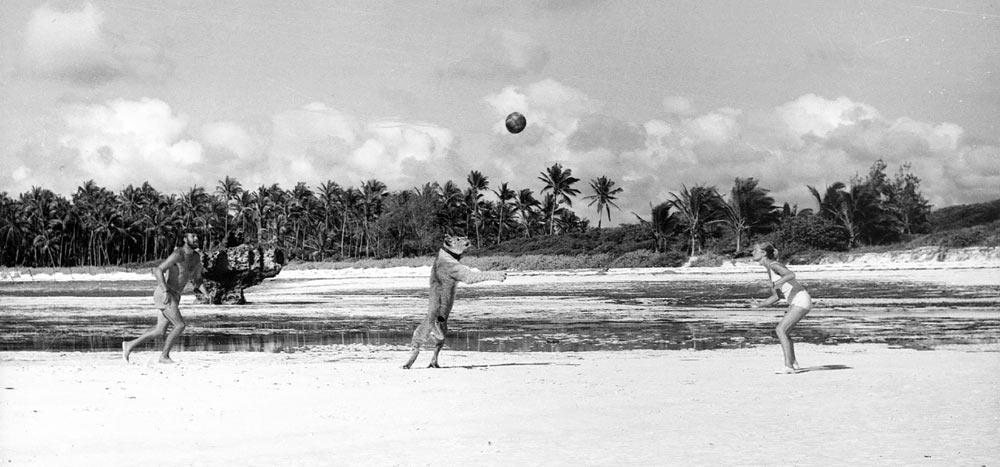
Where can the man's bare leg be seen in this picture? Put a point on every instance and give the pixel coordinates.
(174, 315)
(159, 329)
(794, 315)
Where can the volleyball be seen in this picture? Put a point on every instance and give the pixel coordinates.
(516, 122)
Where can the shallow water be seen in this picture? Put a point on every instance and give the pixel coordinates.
(284, 314)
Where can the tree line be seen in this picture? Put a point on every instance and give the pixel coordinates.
(97, 227)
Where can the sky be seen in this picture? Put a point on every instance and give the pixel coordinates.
(657, 96)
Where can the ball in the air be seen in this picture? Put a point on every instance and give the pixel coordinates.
(516, 122)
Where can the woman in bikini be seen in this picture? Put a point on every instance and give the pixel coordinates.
(799, 301)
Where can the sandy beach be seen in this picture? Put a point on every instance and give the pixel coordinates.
(860, 403)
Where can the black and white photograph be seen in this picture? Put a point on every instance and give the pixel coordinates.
(497, 233)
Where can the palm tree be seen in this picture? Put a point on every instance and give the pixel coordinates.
(243, 213)
(260, 210)
(280, 203)
(525, 203)
(749, 209)
(37, 205)
(349, 201)
(194, 204)
(699, 207)
(504, 194)
(858, 210)
(451, 214)
(162, 223)
(829, 202)
(149, 200)
(663, 224)
(329, 193)
(72, 230)
(13, 227)
(229, 189)
(549, 207)
(97, 209)
(788, 211)
(604, 196)
(131, 203)
(477, 183)
(568, 221)
(561, 183)
(302, 214)
(373, 192)
(424, 217)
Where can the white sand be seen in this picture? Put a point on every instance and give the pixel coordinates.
(863, 405)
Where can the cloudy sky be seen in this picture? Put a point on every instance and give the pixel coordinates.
(654, 95)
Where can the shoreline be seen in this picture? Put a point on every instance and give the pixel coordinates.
(609, 273)
(919, 259)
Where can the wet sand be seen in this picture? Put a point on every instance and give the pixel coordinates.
(626, 309)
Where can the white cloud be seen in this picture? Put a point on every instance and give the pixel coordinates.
(74, 46)
(716, 127)
(547, 104)
(393, 148)
(318, 143)
(816, 116)
(808, 141)
(126, 142)
(20, 173)
(230, 136)
(554, 113)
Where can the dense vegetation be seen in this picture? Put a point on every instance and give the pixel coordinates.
(98, 227)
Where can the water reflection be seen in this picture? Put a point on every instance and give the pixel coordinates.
(284, 316)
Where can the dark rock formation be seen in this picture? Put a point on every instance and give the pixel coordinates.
(228, 271)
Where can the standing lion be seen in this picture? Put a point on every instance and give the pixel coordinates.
(446, 273)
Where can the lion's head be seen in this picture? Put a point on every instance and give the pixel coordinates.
(455, 244)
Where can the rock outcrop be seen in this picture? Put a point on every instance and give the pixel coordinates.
(228, 271)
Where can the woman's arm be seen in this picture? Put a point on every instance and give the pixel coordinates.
(768, 302)
(785, 273)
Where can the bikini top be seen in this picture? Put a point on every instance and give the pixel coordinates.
(787, 290)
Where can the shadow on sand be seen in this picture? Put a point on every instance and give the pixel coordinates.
(823, 368)
(470, 367)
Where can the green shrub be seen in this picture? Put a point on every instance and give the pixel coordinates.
(965, 215)
(980, 235)
(647, 259)
(803, 233)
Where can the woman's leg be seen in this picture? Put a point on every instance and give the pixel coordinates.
(794, 315)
